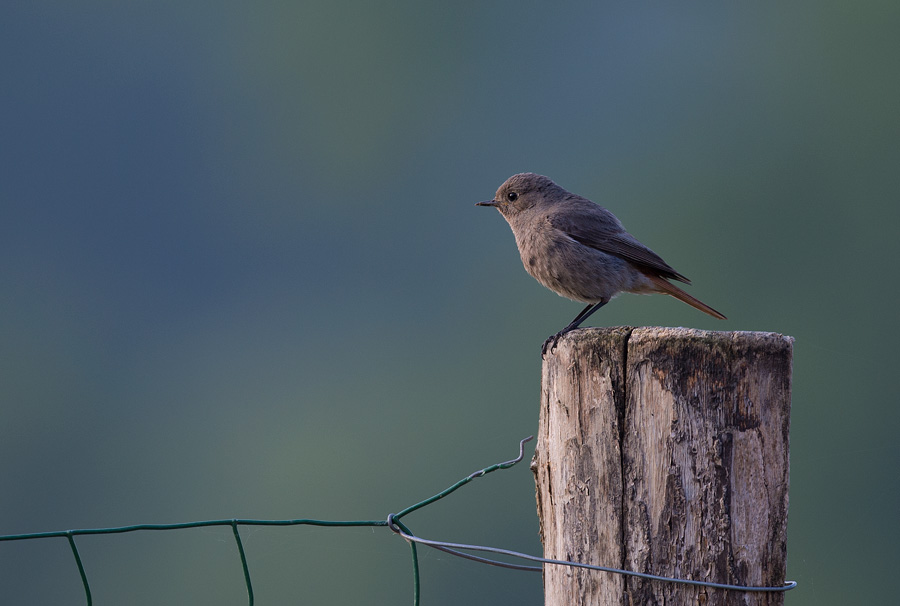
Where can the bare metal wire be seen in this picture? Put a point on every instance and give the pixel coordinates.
(453, 548)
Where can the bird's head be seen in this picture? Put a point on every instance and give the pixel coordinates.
(520, 192)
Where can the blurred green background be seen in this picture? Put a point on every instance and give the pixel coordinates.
(242, 274)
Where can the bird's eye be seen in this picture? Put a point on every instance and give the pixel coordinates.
(511, 196)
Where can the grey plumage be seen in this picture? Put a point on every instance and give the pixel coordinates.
(579, 249)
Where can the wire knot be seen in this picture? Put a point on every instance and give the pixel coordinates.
(392, 524)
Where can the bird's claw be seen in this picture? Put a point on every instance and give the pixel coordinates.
(550, 343)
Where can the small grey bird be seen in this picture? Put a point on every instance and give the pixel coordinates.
(580, 250)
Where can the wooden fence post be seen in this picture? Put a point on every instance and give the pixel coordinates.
(664, 451)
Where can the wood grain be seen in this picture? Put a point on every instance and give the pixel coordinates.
(664, 450)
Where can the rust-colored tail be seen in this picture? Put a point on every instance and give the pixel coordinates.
(670, 289)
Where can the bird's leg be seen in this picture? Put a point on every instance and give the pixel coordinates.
(550, 343)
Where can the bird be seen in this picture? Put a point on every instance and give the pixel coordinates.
(580, 250)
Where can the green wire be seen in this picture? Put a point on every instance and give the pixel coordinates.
(415, 558)
(240, 545)
(84, 581)
(234, 523)
(466, 480)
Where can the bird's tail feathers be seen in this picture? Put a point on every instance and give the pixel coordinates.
(670, 289)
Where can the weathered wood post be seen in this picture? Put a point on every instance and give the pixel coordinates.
(664, 451)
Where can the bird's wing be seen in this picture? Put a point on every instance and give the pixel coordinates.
(596, 227)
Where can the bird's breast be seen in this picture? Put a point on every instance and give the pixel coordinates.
(569, 268)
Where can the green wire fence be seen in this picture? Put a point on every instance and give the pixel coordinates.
(393, 523)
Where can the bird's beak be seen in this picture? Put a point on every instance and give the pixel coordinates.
(487, 203)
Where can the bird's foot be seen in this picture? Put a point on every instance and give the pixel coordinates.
(550, 344)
